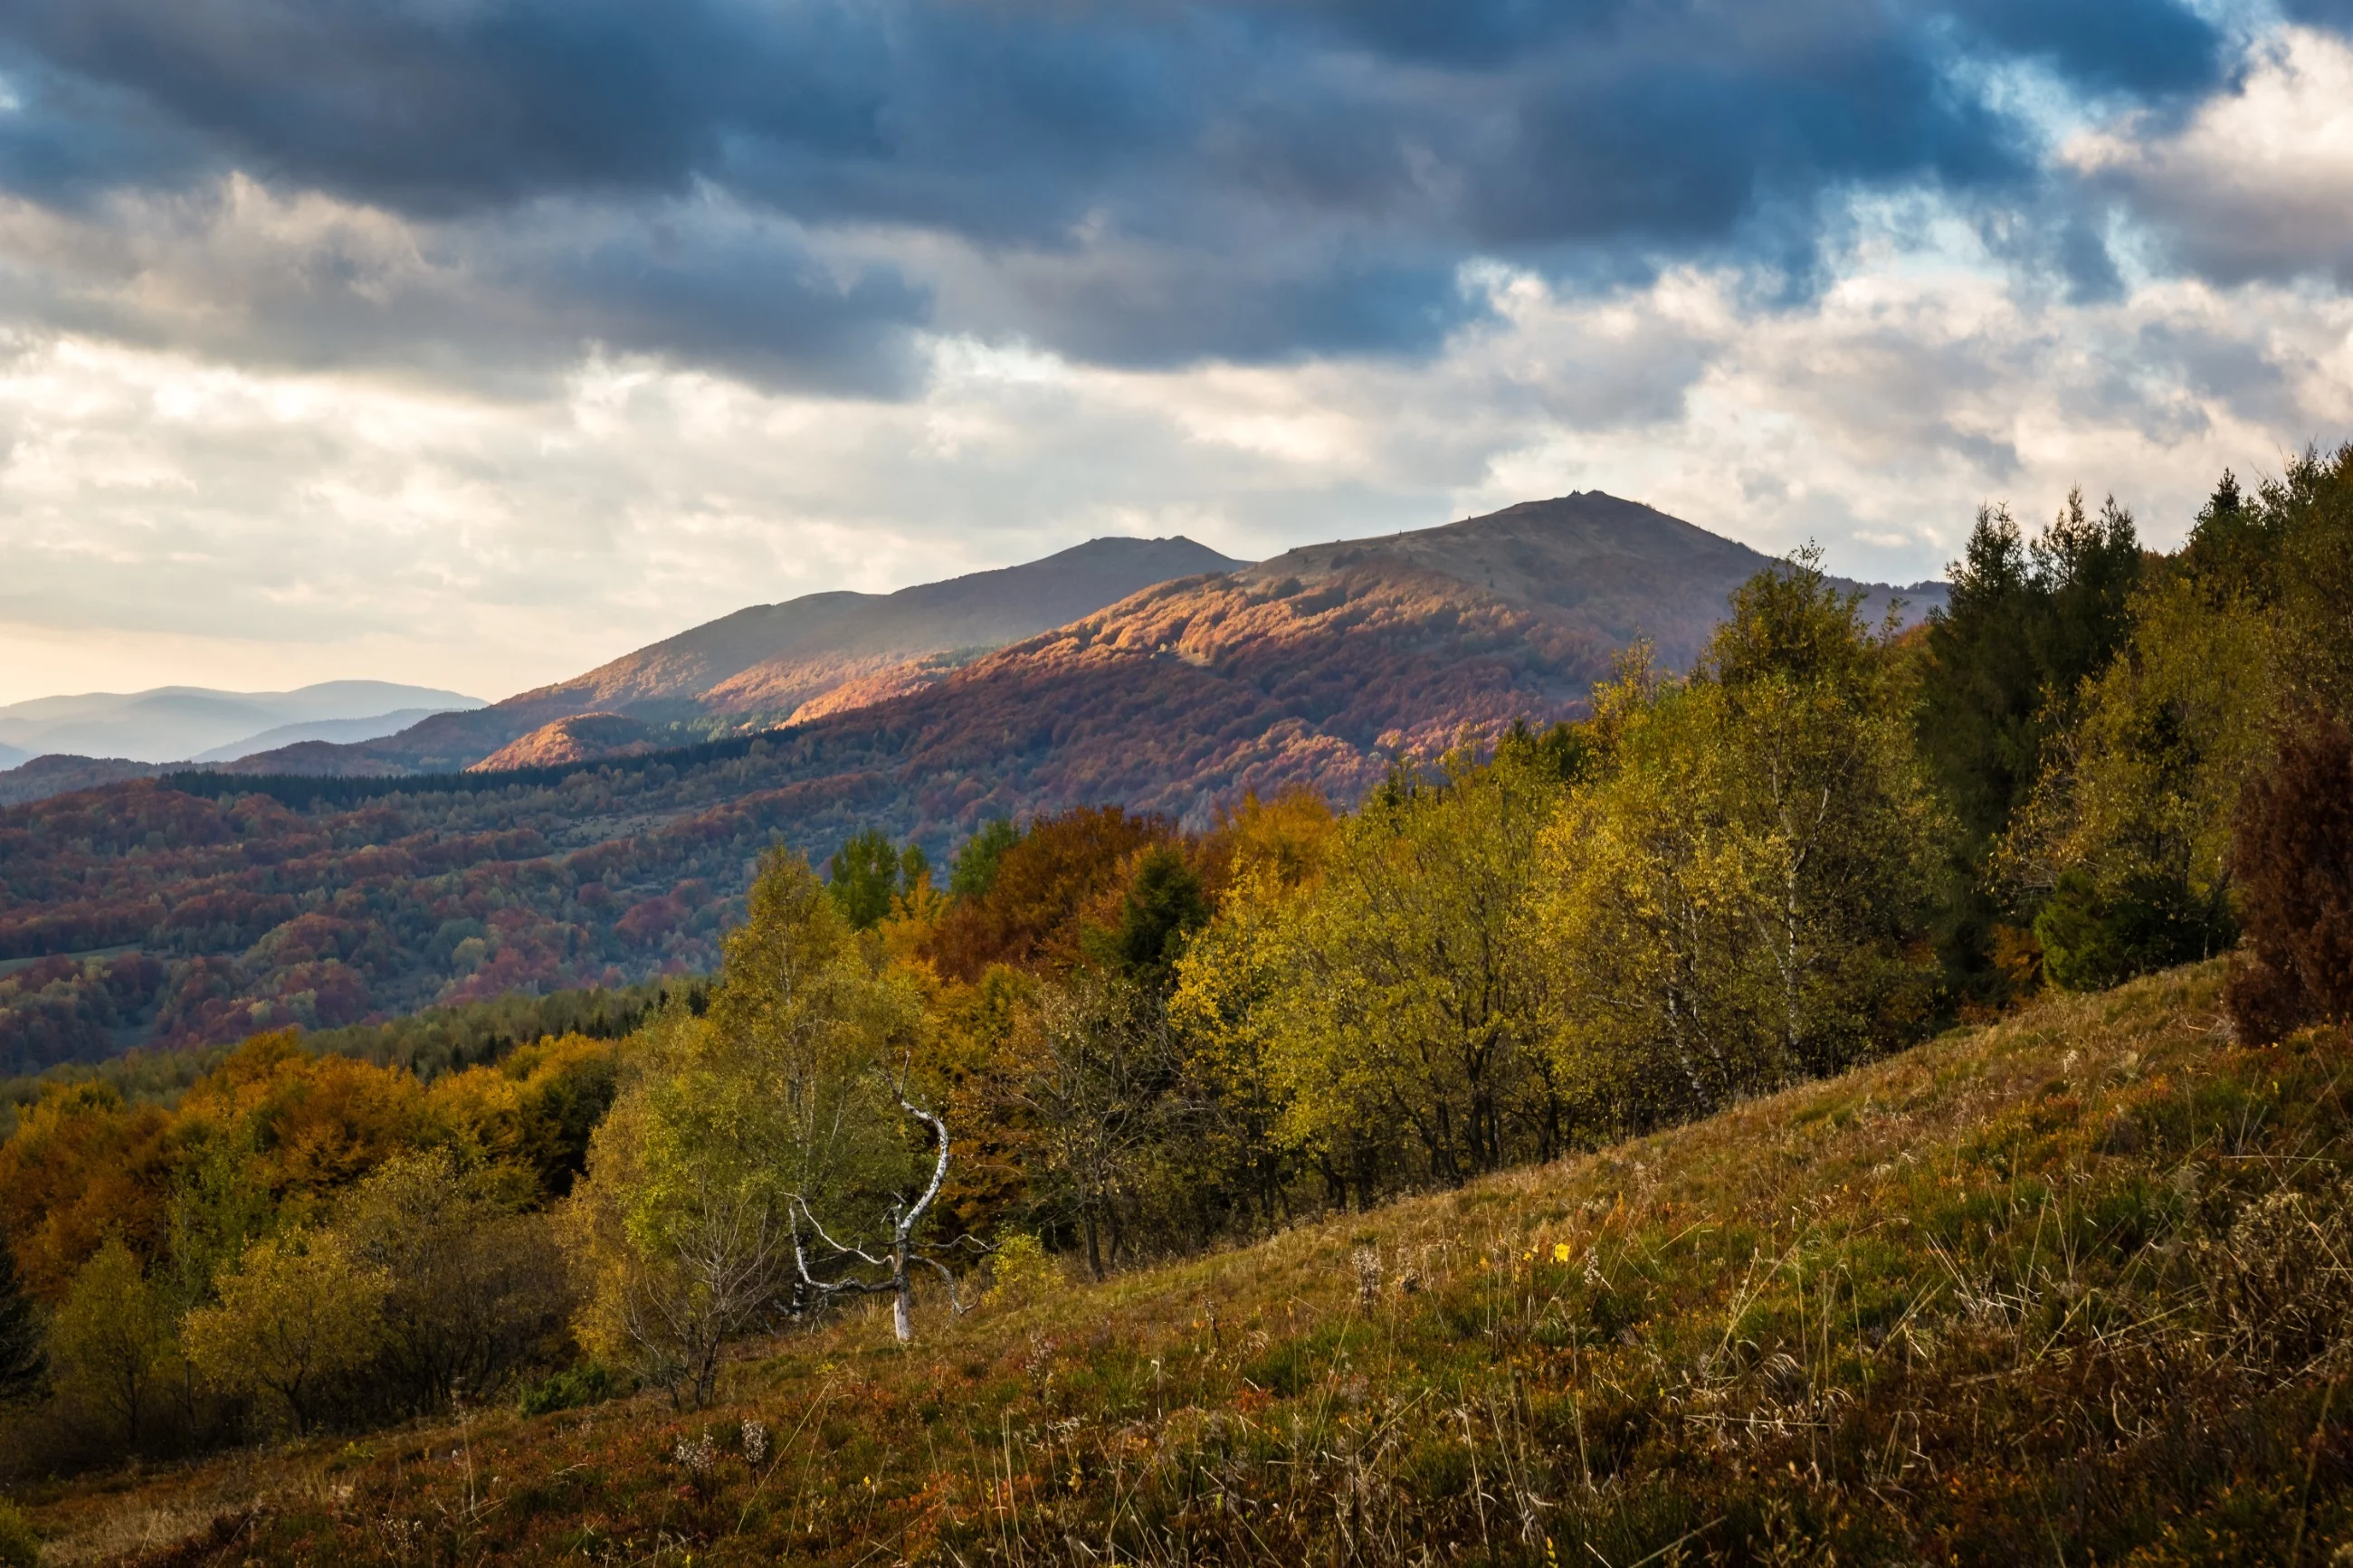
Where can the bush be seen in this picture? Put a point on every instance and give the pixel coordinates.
(587, 1385)
(2292, 849)
(1020, 1272)
(2092, 939)
(19, 1547)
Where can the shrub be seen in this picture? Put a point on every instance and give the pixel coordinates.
(590, 1383)
(19, 1547)
(1020, 1272)
(2093, 938)
(2293, 854)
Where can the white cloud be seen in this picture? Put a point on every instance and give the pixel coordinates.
(2259, 182)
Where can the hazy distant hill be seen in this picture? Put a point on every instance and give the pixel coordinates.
(323, 901)
(335, 731)
(179, 722)
(769, 659)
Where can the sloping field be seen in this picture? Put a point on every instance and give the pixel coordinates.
(2071, 1288)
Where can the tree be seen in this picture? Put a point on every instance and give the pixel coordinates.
(111, 1341)
(759, 1161)
(2025, 625)
(475, 1287)
(972, 871)
(1737, 898)
(1162, 907)
(1102, 1070)
(2293, 849)
(2125, 844)
(298, 1314)
(1044, 887)
(21, 1358)
(1405, 1034)
(864, 876)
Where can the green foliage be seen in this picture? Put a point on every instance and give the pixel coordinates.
(474, 1285)
(2027, 625)
(1164, 907)
(591, 1383)
(863, 877)
(299, 1313)
(20, 1546)
(972, 871)
(1740, 898)
(1020, 1272)
(114, 1343)
(2094, 938)
(742, 1130)
(1403, 1027)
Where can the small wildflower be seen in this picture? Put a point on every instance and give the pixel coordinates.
(1368, 1276)
(1559, 1255)
(699, 1455)
(755, 1441)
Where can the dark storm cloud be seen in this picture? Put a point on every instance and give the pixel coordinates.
(1385, 140)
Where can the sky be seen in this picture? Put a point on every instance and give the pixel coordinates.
(473, 343)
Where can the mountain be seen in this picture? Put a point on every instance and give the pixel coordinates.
(335, 731)
(767, 661)
(230, 902)
(12, 756)
(175, 723)
(58, 774)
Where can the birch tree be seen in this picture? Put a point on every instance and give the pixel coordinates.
(1742, 896)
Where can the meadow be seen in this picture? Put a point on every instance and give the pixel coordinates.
(2072, 1287)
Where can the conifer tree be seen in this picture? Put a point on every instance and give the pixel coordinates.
(21, 1359)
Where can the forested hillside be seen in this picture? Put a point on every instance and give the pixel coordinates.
(201, 908)
(755, 668)
(1814, 1281)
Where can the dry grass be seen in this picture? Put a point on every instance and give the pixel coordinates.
(2071, 1287)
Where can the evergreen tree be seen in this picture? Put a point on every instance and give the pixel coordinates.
(1164, 906)
(973, 870)
(21, 1361)
(2028, 623)
(863, 877)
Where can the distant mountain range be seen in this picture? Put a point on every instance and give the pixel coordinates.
(178, 723)
(589, 848)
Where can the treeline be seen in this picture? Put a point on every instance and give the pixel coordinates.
(1099, 1036)
(299, 1239)
(427, 1043)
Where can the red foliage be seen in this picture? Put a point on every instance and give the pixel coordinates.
(1033, 914)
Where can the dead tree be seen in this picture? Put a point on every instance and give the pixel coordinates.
(903, 1255)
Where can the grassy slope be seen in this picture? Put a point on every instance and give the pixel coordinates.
(2064, 1288)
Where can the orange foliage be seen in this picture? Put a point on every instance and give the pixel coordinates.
(1065, 868)
(81, 1166)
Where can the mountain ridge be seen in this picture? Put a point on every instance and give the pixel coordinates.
(772, 658)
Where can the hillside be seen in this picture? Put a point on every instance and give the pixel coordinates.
(574, 739)
(324, 908)
(765, 661)
(2073, 1278)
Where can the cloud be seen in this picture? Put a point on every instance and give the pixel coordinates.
(476, 342)
(2257, 181)
(1157, 184)
(268, 527)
